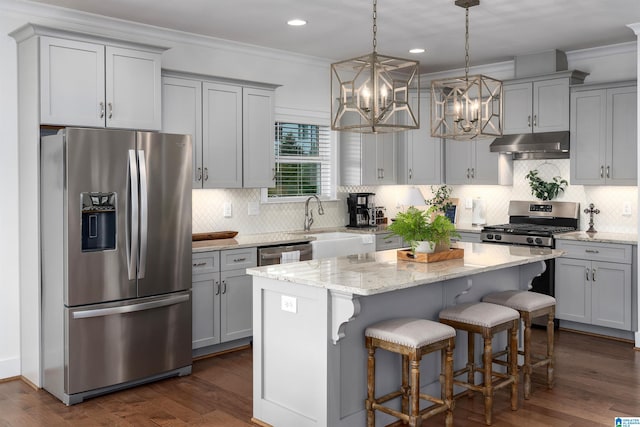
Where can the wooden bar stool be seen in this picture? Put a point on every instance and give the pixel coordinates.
(412, 338)
(486, 319)
(530, 305)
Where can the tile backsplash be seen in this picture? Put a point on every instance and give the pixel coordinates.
(208, 205)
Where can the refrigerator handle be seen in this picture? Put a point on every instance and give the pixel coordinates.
(132, 240)
(144, 212)
(130, 308)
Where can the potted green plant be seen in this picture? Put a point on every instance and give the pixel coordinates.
(422, 234)
(545, 190)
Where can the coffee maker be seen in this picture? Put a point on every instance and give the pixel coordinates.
(361, 208)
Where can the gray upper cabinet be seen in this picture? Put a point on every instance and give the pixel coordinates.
(367, 159)
(539, 106)
(86, 83)
(232, 128)
(604, 135)
(471, 162)
(420, 157)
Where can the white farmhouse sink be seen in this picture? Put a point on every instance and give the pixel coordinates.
(340, 243)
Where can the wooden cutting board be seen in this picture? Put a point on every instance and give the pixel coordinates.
(214, 235)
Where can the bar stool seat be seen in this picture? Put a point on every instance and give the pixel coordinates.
(530, 305)
(486, 319)
(412, 338)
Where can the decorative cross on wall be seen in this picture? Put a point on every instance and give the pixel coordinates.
(591, 211)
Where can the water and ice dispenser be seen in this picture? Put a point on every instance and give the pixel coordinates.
(98, 221)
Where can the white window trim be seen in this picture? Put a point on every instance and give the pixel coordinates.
(312, 118)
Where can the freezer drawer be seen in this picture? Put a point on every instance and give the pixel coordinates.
(122, 342)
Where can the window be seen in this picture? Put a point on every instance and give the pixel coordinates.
(304, 165)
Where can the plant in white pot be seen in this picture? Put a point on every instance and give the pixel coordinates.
(422, 234)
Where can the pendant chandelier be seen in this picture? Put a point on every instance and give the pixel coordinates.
(466, 107)
(370, 93)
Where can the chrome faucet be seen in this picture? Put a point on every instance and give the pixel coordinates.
(308, 214)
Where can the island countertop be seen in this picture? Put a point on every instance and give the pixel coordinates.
(379, 272)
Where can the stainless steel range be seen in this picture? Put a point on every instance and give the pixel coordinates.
(535, 224)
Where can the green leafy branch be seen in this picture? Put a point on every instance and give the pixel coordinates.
(545, 190)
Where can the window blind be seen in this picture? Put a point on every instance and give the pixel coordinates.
(303, 160)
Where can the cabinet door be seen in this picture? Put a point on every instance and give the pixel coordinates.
(71, 83)
(419, 155)
(573, 290)
(551, 105)
(588, 136)
(133, 89)
(611, 295)
(370, 172)
(182, 113)
(206, 310)
(221, 136)
(517, 106)
(458, 162)
(386, 157)
(484, 168)
(622, 139)
(236, 305)
(258, 138)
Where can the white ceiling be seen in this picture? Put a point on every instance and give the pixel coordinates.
(341, 29)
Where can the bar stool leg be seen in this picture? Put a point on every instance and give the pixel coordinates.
(404, 388)
(414, 418)
(513, 364)
(447, 393)
(526, 320)
(550, 332)
(371, 384)
(487, 357)
(471, 375)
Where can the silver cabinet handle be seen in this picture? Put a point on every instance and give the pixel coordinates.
(535, 120)
(206, 174)
(410, 173)
(592, 251)
(468, 173)
(528, 121)
(217, 288)
(110, 105)
(199, 264)
(608, 169)
(593, 274)
(224, 287)
(601, 171)
(381, 173)
(473, 173)
(199, 175)
(102, 110)
(586, 273)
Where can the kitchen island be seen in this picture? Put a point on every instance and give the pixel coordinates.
(309, 358)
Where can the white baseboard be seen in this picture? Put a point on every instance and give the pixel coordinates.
(9, 368)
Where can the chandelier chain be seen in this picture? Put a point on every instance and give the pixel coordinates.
(375, 25)
(466, 45)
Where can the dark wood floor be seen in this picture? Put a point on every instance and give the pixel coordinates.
(596, 380)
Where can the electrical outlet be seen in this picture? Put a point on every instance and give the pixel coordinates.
(626, 208)
(227, 210)
(289, 304)
(468, 203)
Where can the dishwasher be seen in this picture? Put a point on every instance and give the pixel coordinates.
(269, 255)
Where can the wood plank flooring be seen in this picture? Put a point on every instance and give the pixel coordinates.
(596, 380)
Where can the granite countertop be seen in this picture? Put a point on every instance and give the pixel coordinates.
(599, 237)
(250, 240)
(379, 272)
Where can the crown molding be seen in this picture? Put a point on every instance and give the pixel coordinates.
(601, 51)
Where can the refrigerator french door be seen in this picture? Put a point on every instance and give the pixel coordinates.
(116, 259)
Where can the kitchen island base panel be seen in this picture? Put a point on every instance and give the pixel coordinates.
(309, 363)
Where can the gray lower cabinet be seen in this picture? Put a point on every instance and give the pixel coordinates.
(594, 284)
(385, 241)
(222, 296)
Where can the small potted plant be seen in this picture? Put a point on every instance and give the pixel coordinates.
(423, 235)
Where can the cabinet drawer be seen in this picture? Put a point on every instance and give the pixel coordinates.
(388, 241)
(610, 252)
(234, 259)
(205, 262)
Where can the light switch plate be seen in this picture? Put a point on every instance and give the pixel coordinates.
(227, 210)
(626, 208)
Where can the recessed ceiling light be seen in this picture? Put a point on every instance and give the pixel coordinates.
(296, 22)
(416, 50)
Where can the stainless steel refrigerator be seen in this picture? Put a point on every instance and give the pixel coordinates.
(115, 209)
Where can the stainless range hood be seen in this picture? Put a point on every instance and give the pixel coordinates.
(547, 145)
